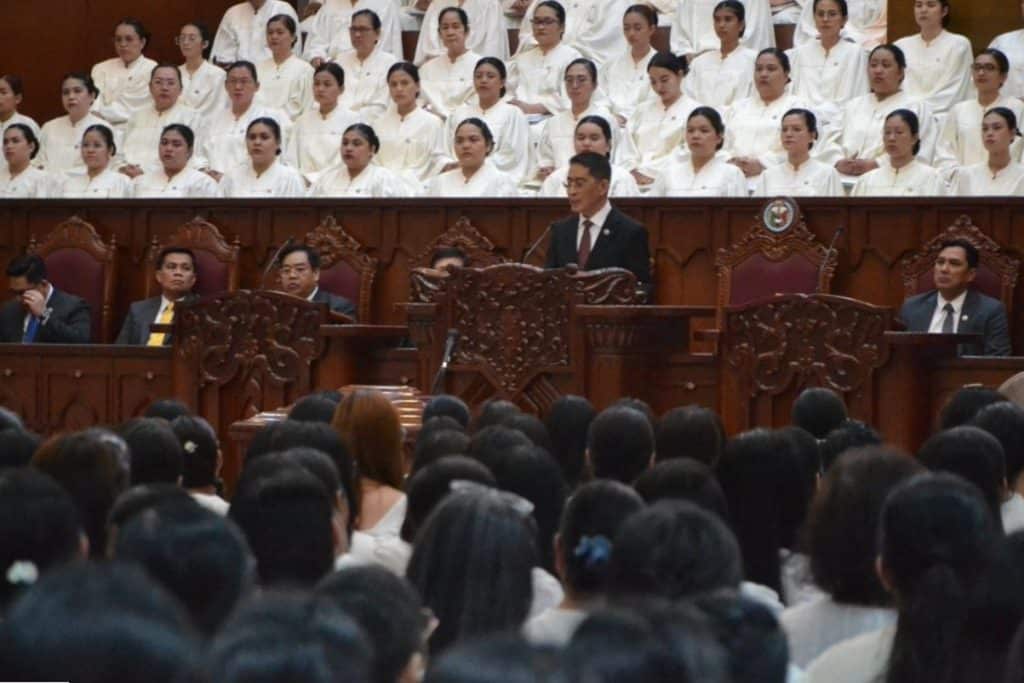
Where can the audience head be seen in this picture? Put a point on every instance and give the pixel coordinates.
(1005, 421)
(683, 479)
(506, 657)
(313, 408)
(489, 443)
(428, 486)
(138, 499)
(620, 444)
(568, 421)
(447, 405)
(532, 427)
(754, 642)
(973, 454)
(155, 450)
(17, 447)
(818, 410)
(10, 419)
(493, 412)
(691, 432)
(847, 436)
(438, 444)
(167, 409)
(368, 424)
(965, 403)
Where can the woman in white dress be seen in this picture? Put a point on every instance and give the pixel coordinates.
(475, 176)
(720, 77)
(202, 83)
(123, 81)
(593, 134)
(938, 62)
(867, 26)
(99, 180)
(591, 27)
(799, 175)
(18, 178)
(625, 77)
(1001, 174)
(331, 34)
(507, 122)
(263, 175)
(366, 66)
(11, 93)
(358, 175)
(61, 138)
(694, 32)
(489, 36)
(285, 80)
(903, 175)
(535, 74)
(447, 79)
(703, 173)
(316, 136)
(411, 138)
(175, 177)
(658, 127)
(143, 130)
(1011, 44)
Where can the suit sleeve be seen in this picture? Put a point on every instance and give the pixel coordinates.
(128, 333)
(638, 255)
(551, 259)
(73, 328)
(997, 333)
(342, 305)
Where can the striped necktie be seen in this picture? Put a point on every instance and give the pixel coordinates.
(165, 318)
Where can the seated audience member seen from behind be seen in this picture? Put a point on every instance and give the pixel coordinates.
(40, 313)
(620, 444)
(953, 307)
(176, 275)
(300, 276)
(818, 411)
(599, 235)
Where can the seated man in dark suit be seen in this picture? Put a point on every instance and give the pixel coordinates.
(176, 275)
(599, 236)
(41, 314)
(300, 276)
(952, 307)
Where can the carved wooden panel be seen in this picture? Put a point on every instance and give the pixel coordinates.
(480, 252)
(335, 245)
(202, 237)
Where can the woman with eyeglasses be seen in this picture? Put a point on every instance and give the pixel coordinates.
(593, 134)
(202, 83)
(799, 175)
(489, 36)
(535, 73)
(18, 178)
(286, 80)
(938, 62)
(99, 180)
(475, 176)
(123, 80)
(591, 27)
(830, 71)
(357, 175)
(411, 138)
(174, 177)
(625, 76)
(61, 138)
(263, 174)
(719, 77)
(903, 175)
(330, 31)
(703, 173)
(694, 32)
(447, 79)
(366, 66)
(1001, 174)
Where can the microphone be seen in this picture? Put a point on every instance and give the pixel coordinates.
(533, 247)
(828, 253)
(449, 349)
(277, 255)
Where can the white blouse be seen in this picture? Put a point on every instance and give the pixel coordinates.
(277, 181)
(537, 78)
(656, 132)
(222, 141)
(242, 33)
(977, 181)
(510, 129)
(622, 183)
(29, 184)
(593, 27)
(124, 90)
(1012, 45)
(142, 133)
(938, 72)
(287, 86)
(445, 84)
(186, 183)
(720, 82)
(717, 178)
(486, 182)
(867, 24)
(960, 142)
(107, 185)
(413, 146)
(816, 626)
(488, 34)
(366, 85)
(626, 83)
(374, 181)
(61, 141)
(863, 659)
(329, 35)
(753, 129)
(557, 140)
(315, 143)
(204, 90)
(17, 117)
(812, 179)
(861, 123)
(828, 80)
(694, 27)
(913, 180)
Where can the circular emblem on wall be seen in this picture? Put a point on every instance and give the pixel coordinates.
(778, 215)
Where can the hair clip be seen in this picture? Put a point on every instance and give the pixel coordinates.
(593, 550)
(515, 501)
(22, 572)
(190, 446)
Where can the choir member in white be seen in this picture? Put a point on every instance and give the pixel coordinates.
(535, 73)
(703, 172)
(366, 66)
(11, 94)
(475, 176)
(593, 134)
(960, 143)
(624, 78)
(1011, 44)
(411, 139)
(202, 83)
(938, 62)
(263, 174)
(447, 79)
(720, 77)
(591, 27)
(799, 175)
(902, 174)
(175, 177)
(358, 175)
(867, 25)
(489, 36)
(99, 179)
(222, 140)
(286, 81)
(315, 140)
(658, 127)
(242, 34)
(507, 122)
(18, 178)
(330, 31)
(694, 30)
(1001, 174)
(61, 137)
(123, 81)
(142, 133)
(831, 71)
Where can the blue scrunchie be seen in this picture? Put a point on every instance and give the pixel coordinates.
(593, 551)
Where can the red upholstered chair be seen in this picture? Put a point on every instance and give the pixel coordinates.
(997, 271)
(216, 259)
(78, 262)
(345, 267)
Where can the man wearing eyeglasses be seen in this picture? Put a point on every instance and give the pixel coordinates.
(300, 276)
(599, 235)
(40, 313)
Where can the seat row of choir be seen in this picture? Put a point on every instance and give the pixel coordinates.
(367, 125)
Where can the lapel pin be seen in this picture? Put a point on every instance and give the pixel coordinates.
(605, 232)
(963, 317)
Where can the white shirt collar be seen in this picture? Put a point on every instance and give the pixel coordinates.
(958, 302)
(313, 293)
(600, 216)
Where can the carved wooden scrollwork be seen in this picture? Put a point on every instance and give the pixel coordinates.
(334, 244)
(809, 340)
(479, 250)
(607, 287)
(199, 234)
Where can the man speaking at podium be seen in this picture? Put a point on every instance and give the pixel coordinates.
(599, 236)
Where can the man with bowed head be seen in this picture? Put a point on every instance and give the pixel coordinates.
(176, 275)
(300, 276)
(40, 313)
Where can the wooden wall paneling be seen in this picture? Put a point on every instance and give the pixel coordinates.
(980, 20)
(19, 389)
(76, 388)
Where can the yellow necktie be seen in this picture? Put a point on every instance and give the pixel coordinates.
(165, 318)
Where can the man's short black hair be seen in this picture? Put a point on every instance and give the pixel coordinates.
(620, 442)
(29, 266)
(446, 404)
(311, 253)
(448, 252)
(598, 165)
(174, 250)
(969, 249)
(818, 410)
(167, 408)
(156, 453)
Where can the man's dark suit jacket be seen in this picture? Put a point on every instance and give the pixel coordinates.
(338, 304)
(980, 315)
(69, 321)
(622, 243)
(141, 315)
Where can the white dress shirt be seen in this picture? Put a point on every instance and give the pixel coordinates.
(287, 86)
(17, 117)
(509, 127)
(867, 24)
(445, 84)
(939, 316)
(716, 178)
(204, 90)
(315, 143)
(29, 184)
(812, 179)
(277, 181)
(938, 72)
(142, 133)
(626, 82)
(222, 141)
(1012, 45)
(694, 28)
(486, 182)
(959, 142)
(374, 181)
(557, 140)
(863, 659)
(593, 27)
(366, 85)
(109, 184)
(60, 143)
(412, 145)
(863, 119)
(814, 627)
(828, 80)
(657, 132)
(537, 78)
(913, 180)
(242, 33)
(329, 34)
(719, 81)
(978, 181)
(622, 183)
(124, 89)
(187, 183)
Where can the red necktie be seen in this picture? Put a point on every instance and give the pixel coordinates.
(583, 253)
